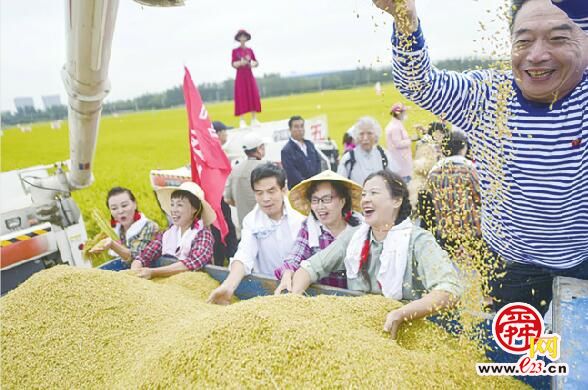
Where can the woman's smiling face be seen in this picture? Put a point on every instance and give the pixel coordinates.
(379, 208)
(326, 204)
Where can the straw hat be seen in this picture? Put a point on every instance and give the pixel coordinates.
(164, 197)
(300, 203)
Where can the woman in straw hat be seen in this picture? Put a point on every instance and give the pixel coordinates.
(328, 199)
(388, 255)
(187, 245)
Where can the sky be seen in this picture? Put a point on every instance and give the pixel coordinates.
(290, 37)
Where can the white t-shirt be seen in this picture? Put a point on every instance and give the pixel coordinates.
(265, 243)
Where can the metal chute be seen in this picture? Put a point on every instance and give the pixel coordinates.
(89, 30)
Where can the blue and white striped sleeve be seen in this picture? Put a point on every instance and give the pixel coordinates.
(459, 97)
(577, 10)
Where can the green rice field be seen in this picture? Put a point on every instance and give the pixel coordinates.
(130, 145)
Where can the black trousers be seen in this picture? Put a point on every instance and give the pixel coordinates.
(529, 283)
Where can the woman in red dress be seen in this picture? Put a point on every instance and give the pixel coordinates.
(246, 92)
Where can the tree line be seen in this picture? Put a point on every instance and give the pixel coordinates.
(269, 85)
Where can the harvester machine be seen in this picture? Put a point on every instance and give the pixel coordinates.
(40, 223)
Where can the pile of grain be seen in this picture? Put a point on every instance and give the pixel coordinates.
(73, 328)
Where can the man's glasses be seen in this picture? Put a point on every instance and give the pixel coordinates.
(327, 199)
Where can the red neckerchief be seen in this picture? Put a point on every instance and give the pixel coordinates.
(347, 216)
(365, 250)
(365, 253)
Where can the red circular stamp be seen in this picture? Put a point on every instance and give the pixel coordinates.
(514, 325)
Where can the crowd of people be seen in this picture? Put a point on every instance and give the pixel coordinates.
(391, 224)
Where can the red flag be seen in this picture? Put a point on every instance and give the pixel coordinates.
(210, 165)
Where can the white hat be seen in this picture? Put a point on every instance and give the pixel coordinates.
(252, 141)
(164, 197)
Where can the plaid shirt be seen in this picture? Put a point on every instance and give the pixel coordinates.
(200, 251)
(138, 243)
(450, 204)
(302, 251)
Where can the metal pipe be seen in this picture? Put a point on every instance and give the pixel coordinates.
(89, 31)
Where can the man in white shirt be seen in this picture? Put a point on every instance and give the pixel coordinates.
(368, 157)
(268, 233)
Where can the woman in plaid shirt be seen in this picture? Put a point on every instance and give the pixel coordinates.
(187, 245)
(328, 199)
(134, 229)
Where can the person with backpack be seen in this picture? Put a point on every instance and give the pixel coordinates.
(368, 157)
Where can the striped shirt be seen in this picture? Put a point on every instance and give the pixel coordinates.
(533, 170)
(577, 11)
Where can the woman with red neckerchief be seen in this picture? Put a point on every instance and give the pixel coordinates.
(133, 228)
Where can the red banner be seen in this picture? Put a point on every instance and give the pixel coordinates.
(210, 165)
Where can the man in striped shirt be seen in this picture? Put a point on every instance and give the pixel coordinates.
(529, 131)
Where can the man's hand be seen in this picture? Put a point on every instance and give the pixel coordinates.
(285, 283)
(393, 321)
(403, 11)
(221, 295)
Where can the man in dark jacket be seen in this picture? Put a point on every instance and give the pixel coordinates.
(300, 158)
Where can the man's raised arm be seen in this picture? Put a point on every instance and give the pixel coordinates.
(404, 13)
(459, 97)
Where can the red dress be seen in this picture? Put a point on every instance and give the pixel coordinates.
(246, 92)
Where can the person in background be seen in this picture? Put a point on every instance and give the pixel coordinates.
(348, 143)
(428, 152)
(223, 251)
(238, 191)
(433, 136)
(449, 204)
(328, 199)
(268, 232)
(187, 245)
(398, 142)
(300, 158)
(221, 131)
(133, 228)
(388, 255)
(368, 157)
(246, 92)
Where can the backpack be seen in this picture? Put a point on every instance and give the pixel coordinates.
(349, 164)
